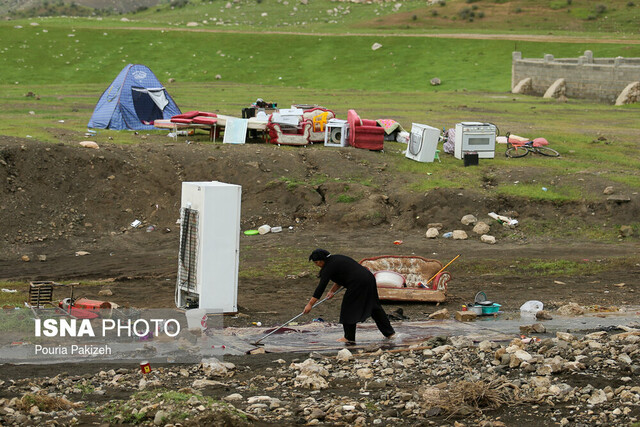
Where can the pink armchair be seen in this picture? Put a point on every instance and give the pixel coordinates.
(364, 133)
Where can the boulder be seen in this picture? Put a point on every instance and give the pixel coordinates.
(490, 240)
(440, 314)
(432, 233)
(481, 228)
(469, 219)
(460, 235)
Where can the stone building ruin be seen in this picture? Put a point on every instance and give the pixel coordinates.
(611, 80)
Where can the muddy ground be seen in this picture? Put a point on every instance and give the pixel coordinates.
(58, 199)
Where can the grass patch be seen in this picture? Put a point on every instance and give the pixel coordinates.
(281, 262)
(545, 268)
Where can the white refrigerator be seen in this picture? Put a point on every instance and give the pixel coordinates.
(209, 247)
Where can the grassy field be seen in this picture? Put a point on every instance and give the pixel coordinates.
(66, 63)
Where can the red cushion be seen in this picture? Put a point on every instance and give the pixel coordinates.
(202, 120)
(175, 119)
(366, 122)
(207, 114)
(187, 115)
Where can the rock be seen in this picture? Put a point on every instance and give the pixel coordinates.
(316, 414)
(485, 345)
(536, 328)
(597, 397)
(460, 235)
(213, 368)
(105, 293)
(202, 383)
(218, 77)
(543, 315)
(234, 397)
(571, 309)
(364, 373)
(565, 336)
(172, 80)
(160, 417)
(432, 233)
(258, 350)
(523, 355)
(376, 46)
(469, 219)
(82, 253)
(626, 231)
(25, 258)
(465, 316)
(608, 190)
(481, 228)
(344, 355)
(485, 238)
(440, 314)
(435, 81)
(310, 367)
(42, 258)
(89, 144)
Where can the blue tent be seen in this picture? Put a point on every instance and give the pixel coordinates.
(133, 101)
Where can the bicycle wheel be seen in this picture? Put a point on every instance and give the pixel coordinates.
(546, 151)
(516, 152)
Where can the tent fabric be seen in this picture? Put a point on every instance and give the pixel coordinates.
(133, 101)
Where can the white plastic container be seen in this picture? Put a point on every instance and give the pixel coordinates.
(276, 229)
(196, 319)
(264, 229)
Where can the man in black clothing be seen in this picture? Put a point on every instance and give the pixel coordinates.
(361, 298)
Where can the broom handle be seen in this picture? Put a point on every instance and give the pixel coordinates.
(291, 320)
(434, 276)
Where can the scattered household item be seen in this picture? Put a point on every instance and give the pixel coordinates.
(503, 219)
(319, 118)
(470, 158)
(336, 133)
(391, 128)
(516, 147)
(482, 306)
(424, 279)
(277, 229)
(235, 131)
(134, 100)
(264, 229)
(530, 308)
(209, 247)
(476, 137)
(389, 279)
(292, 319)
(196, 319)
(145, 367)
(364, 133)
(251, 232)
(423, 142)
(288, 132)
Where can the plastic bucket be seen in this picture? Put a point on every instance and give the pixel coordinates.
(196, 319)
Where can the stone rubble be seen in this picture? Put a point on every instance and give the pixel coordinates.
(566, 379)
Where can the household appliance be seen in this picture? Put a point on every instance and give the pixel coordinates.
(423, 142)
(335, 133)
(209, 247)
(475, 137)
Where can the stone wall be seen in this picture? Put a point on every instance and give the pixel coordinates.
(602, 79)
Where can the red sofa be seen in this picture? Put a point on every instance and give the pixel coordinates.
(364, 133)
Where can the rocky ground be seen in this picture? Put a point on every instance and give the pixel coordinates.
(569, 379)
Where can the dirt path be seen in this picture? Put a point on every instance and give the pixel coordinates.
(547, 38)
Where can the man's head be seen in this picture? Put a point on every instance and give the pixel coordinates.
(319, 256)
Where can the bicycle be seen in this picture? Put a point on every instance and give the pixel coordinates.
(519, 148)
